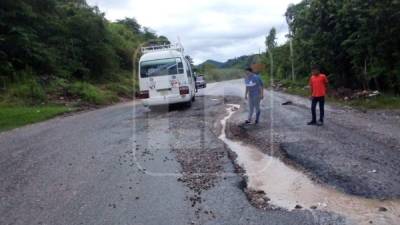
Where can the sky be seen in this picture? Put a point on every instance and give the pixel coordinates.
(208, 29)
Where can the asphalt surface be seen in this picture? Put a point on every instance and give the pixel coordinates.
(126, 164)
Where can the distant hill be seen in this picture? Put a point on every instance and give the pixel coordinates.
(211, 62)
(229, 70)
(239, 62)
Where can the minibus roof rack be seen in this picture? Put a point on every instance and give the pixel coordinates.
(164, 47)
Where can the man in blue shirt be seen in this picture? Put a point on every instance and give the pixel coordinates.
(254, 93)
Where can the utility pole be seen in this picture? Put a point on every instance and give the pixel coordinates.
(291, 56)
(289, 20)
(271, 59)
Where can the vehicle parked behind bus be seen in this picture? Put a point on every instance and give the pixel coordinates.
(201, 82)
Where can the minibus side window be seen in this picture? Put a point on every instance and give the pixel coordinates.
(188, 72)
(180, 68)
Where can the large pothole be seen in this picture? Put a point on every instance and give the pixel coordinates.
(288, 188)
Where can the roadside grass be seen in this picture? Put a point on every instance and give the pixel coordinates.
(17, 116)
(383, 101)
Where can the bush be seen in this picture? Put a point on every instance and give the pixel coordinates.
(91, 94)
(121, 90)
(123, 84)
(30, 91)
(57, 87)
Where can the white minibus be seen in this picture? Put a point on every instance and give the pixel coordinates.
(165, 76)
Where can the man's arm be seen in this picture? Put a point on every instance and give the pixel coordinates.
(246, 93)
(311, 87)
(261, 88)
(326, 84)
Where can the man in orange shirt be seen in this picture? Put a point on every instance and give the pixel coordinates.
(318, 86)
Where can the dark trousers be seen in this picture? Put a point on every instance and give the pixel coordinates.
(254, 105)
(321, 101)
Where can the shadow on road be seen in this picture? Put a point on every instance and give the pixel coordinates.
(169, 108)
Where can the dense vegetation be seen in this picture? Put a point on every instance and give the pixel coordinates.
(65, 49)
(60, 55)
(356, 42)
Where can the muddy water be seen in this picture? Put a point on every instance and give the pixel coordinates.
(288, 187)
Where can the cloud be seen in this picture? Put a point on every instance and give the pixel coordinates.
(208, 29)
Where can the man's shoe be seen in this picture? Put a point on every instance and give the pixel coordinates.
(312, 123)
(256, 122)
(247, 122)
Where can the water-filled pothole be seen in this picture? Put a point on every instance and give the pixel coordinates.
(287, 187)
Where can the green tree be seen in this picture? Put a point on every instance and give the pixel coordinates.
(190, 60)
(270, 43)
(131, 23)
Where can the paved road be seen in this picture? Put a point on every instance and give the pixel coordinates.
(127, 165)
